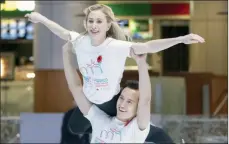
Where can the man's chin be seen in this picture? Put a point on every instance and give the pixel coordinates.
(121, 117)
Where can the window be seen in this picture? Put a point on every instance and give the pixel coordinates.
(13, 29)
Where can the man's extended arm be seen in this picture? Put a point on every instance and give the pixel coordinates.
(143, 112)
(74, 82)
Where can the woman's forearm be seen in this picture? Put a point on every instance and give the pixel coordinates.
(162, 44)
(56, 28)
(155, 46)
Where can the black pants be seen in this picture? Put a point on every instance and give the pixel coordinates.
(77, 129)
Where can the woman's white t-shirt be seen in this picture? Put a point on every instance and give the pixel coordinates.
(101, 66)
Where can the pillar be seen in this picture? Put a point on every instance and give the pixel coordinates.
(51, 91)
(209, 20)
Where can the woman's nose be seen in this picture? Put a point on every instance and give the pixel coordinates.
(94, 25)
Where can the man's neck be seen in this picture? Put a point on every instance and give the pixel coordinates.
(125, 122)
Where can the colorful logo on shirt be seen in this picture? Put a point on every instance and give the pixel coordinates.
(97, 140)
(92, 73)
(110, 135)
(93, 68)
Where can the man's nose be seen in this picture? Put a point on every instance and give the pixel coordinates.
(123, 104)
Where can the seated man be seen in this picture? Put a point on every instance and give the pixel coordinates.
(132, 122)
(156, 135)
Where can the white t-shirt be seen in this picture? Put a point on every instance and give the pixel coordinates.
(101, 66)
(106, 129)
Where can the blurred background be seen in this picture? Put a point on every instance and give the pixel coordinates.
(189, 82)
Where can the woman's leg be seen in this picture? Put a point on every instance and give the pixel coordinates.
(66, 136)
(110, 106)
(158, 135)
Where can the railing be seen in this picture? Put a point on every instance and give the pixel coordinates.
(196, 129)
(182, 129)
(10, 129)
(221, 103)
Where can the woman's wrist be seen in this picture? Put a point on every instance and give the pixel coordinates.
(142, 63)
(43, 19)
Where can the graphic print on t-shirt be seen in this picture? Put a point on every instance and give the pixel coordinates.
(109, 136)
(93, 77)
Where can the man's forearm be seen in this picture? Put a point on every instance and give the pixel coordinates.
(74, 82)
(72, 76)
(144, 82)
(143, 112)
(55, 28)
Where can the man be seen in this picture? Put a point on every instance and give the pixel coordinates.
(132, 122)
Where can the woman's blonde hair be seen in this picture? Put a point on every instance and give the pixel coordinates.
(115, 30)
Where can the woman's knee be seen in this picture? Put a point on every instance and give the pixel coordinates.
(110, 106)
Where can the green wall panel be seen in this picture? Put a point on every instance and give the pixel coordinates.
(131, 9)
(12, 14)
(119, 10)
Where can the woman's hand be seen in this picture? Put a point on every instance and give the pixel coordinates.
(58, 30)
(191, 38)
(35, 17)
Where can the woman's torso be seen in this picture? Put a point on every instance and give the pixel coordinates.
(101, 68)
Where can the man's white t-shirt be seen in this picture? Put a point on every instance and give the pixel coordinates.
(101, 66)
(107, 129)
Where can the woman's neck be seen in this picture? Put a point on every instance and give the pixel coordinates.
(97, 41)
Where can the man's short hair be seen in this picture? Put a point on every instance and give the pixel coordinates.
(132, 84)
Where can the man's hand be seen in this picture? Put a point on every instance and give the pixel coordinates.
(35, 17)
(141, 58)
(191, 38)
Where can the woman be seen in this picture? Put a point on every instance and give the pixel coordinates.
(101, 54)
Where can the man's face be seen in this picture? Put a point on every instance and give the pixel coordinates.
(127, 104)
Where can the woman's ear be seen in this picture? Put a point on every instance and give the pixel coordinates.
(109, 26)
(85, 24)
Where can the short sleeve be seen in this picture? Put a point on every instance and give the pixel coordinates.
(124, 47)
(137, 133)
(72, 39)
(73, 36)
(97, 116)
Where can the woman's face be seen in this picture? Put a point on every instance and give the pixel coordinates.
(97, 25)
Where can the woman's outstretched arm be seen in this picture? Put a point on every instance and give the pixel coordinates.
(155, 46)
(52, 26)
